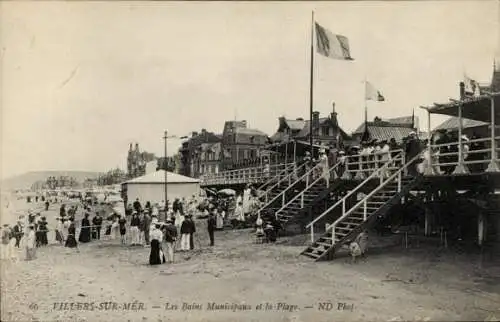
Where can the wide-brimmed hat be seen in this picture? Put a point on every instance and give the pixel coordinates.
(341, 152)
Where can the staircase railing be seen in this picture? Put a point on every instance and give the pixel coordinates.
(286, 178)
(282, 194)
(377, 173)
(309, 185)
(363, 202)
(281, 176)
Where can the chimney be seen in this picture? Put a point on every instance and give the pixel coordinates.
(333, 116)
(203, 131)
(244, 123)
(137, 146)
(130, 147)
(195, 133)
(315, 122)
(462, 90)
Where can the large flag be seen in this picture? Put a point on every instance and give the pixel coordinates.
(471, 86)
(332, 45)
(373, 94)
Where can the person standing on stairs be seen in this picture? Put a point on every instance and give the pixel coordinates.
(325, 170)
(364, 158)
(332, 160)
(385, 156)
(308, 164)
(412, 149)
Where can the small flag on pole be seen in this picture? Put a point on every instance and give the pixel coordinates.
(373, 94)
(332, 45)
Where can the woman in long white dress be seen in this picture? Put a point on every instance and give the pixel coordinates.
(246, 200)
(115, 228)
(30, 243)
(59, 231)
(325, 170)
(179, 219)
(12, 249)
(219, 218)
(65, 228)
(385, 156)
(238, 212)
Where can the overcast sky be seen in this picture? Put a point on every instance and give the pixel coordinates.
(80, 81)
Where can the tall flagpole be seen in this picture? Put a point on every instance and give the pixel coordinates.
(413, 120)
(365, 133)
(311, 88)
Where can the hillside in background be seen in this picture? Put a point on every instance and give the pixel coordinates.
(24, 181)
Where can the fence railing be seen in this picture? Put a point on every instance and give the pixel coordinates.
(246, 175)
(381, 173)
(360, 166)
(476, 158)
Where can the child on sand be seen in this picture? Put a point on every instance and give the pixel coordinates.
(359, 246)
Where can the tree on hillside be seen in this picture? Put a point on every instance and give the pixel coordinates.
(53, 182)
(111, 177)
(169, 165)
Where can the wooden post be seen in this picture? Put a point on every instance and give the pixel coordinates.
(460, 168)
(429, 171)
(294, 151)
(286, 153)
(480, 229)
(493, 166)
(427, 221)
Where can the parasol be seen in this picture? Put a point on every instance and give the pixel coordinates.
(227, 192)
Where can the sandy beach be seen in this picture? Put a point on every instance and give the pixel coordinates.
(238, 280)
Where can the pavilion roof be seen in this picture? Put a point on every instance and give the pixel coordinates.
(474, 108)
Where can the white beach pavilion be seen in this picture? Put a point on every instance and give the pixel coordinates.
(151, 187)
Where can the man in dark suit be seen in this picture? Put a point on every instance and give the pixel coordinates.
(211, 225)
(17, 232)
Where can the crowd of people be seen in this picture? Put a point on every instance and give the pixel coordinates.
(364, 158)
(163, 227)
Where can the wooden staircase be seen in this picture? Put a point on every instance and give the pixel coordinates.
(282, 177)
(313, 192)
(281, 190)
(351, 222)
(302, 205)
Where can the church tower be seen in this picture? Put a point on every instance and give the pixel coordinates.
(495, 79)
(129, 160)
